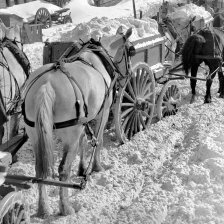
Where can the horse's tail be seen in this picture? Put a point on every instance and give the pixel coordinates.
(44, 128)
(189, 50)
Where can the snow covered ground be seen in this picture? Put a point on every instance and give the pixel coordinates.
(171, 173)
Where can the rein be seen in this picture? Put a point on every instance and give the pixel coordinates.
(17, 97)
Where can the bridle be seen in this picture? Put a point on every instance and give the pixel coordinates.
(125, 56)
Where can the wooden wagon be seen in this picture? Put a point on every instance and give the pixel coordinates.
(44, 17)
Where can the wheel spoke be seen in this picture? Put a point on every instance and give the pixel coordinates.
(134, 86)
(126, 112)
(141, 80)
(138, 122)
(132, 126)
(147, 88)
(138, 82)
(127, 105)
(144, 83)
(131, 90)
(17, 209)
(13, 217)
(127, 127)
(148, 95)
(124, 124)
(20, 217)
(128, 97)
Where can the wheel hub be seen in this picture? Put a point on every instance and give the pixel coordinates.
(141, 104)
(172, 104)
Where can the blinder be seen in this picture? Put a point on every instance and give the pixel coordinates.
(131, 51)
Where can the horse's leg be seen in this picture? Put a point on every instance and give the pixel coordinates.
(209, 81)
(82, 147)
(221, 84)
(101, 122)
(194, 70)
(70, 144)
(14, 125)
(208, 91)
(2, 131)
(64, 174)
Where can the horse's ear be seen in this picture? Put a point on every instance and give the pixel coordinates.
(120, 30)
(193, 19)
(128, 33)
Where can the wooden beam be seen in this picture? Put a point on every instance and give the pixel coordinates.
(134, 9)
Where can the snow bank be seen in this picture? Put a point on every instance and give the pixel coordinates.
(103, 29)
(82, 11)
(189, 11)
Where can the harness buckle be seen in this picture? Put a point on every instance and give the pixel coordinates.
(94, 142)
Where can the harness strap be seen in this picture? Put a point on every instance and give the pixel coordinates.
(60, 65)
(56, 125)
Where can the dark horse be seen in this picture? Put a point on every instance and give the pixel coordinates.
(205, 46)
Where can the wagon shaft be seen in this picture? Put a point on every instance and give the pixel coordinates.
(26, 181)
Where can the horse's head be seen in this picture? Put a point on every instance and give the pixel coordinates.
(121, 49)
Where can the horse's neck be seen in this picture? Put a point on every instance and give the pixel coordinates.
(96, 63)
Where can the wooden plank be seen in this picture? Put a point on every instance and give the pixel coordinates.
(3, 4)
(31, 33)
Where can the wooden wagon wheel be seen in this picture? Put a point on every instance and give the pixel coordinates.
(168, 100)
(135, 103)
(43, 16)
(13, 210)
(67, 19)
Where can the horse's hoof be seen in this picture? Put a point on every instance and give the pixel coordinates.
(81, 171)
(43, 213)
(97, 167)
(207, 101)
(192, 99)
(66, 210)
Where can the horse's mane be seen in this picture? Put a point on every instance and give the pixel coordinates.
(18, 54)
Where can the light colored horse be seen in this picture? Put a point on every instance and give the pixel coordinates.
(14, 70)
(76, 91)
